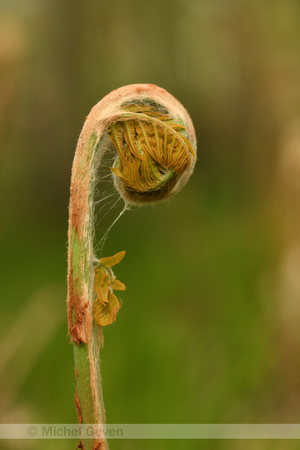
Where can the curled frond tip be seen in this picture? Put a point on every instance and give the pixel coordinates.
(154, 154)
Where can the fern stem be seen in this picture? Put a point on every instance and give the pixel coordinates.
(84, 334)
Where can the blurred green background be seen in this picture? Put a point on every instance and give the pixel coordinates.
(209, 328)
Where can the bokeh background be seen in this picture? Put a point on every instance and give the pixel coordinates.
(209, 328)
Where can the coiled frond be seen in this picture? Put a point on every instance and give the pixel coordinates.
(155, 144)
(153, 152)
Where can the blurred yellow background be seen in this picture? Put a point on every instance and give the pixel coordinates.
(209, 327)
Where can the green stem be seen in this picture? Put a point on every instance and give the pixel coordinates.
(85, 335)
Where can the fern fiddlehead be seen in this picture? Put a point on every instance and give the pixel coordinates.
(155, 145)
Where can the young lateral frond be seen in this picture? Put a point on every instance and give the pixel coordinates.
(106, 305)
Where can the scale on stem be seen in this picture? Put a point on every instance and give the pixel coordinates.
(154, 142)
